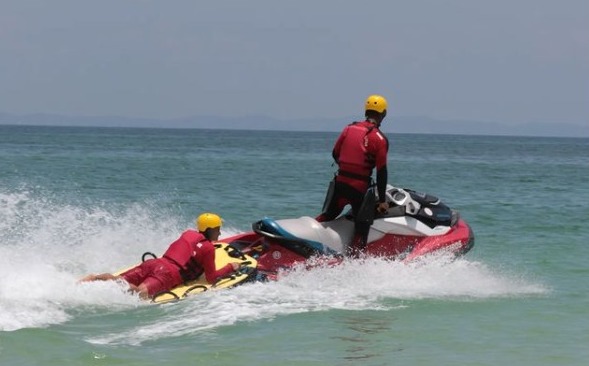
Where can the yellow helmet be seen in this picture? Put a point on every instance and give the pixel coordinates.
(376, 103)
(208, 221)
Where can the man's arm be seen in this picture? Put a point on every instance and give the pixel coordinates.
(99, 277)
(208, 265)
(382, 149)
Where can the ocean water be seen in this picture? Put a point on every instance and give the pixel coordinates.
(84, 200)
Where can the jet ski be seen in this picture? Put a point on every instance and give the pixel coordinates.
(416, 224)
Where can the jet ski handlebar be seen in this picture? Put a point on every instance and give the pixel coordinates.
(401, 197)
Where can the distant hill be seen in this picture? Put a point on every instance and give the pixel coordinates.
(394, 124)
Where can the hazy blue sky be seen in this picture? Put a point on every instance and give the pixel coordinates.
(509, 61)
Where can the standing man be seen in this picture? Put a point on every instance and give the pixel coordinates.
(360, 148)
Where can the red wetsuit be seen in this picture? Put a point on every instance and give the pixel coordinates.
(359, 149)
(186, 259)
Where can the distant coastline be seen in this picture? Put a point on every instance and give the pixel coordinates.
(413, 124)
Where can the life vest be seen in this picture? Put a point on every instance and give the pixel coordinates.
(354, 160)
(181, 253)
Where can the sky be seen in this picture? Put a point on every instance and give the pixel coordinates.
(508, 61)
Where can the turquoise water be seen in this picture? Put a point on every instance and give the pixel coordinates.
(80, 200)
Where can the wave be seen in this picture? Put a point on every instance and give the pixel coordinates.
(46, 246)
(373, 284)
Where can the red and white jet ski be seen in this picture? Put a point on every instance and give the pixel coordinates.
(415, 225)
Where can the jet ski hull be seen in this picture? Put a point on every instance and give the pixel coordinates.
(416, 225)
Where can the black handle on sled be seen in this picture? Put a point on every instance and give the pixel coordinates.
(235, 253)
(146, 254)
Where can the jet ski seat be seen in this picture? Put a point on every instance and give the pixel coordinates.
(271, 229)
